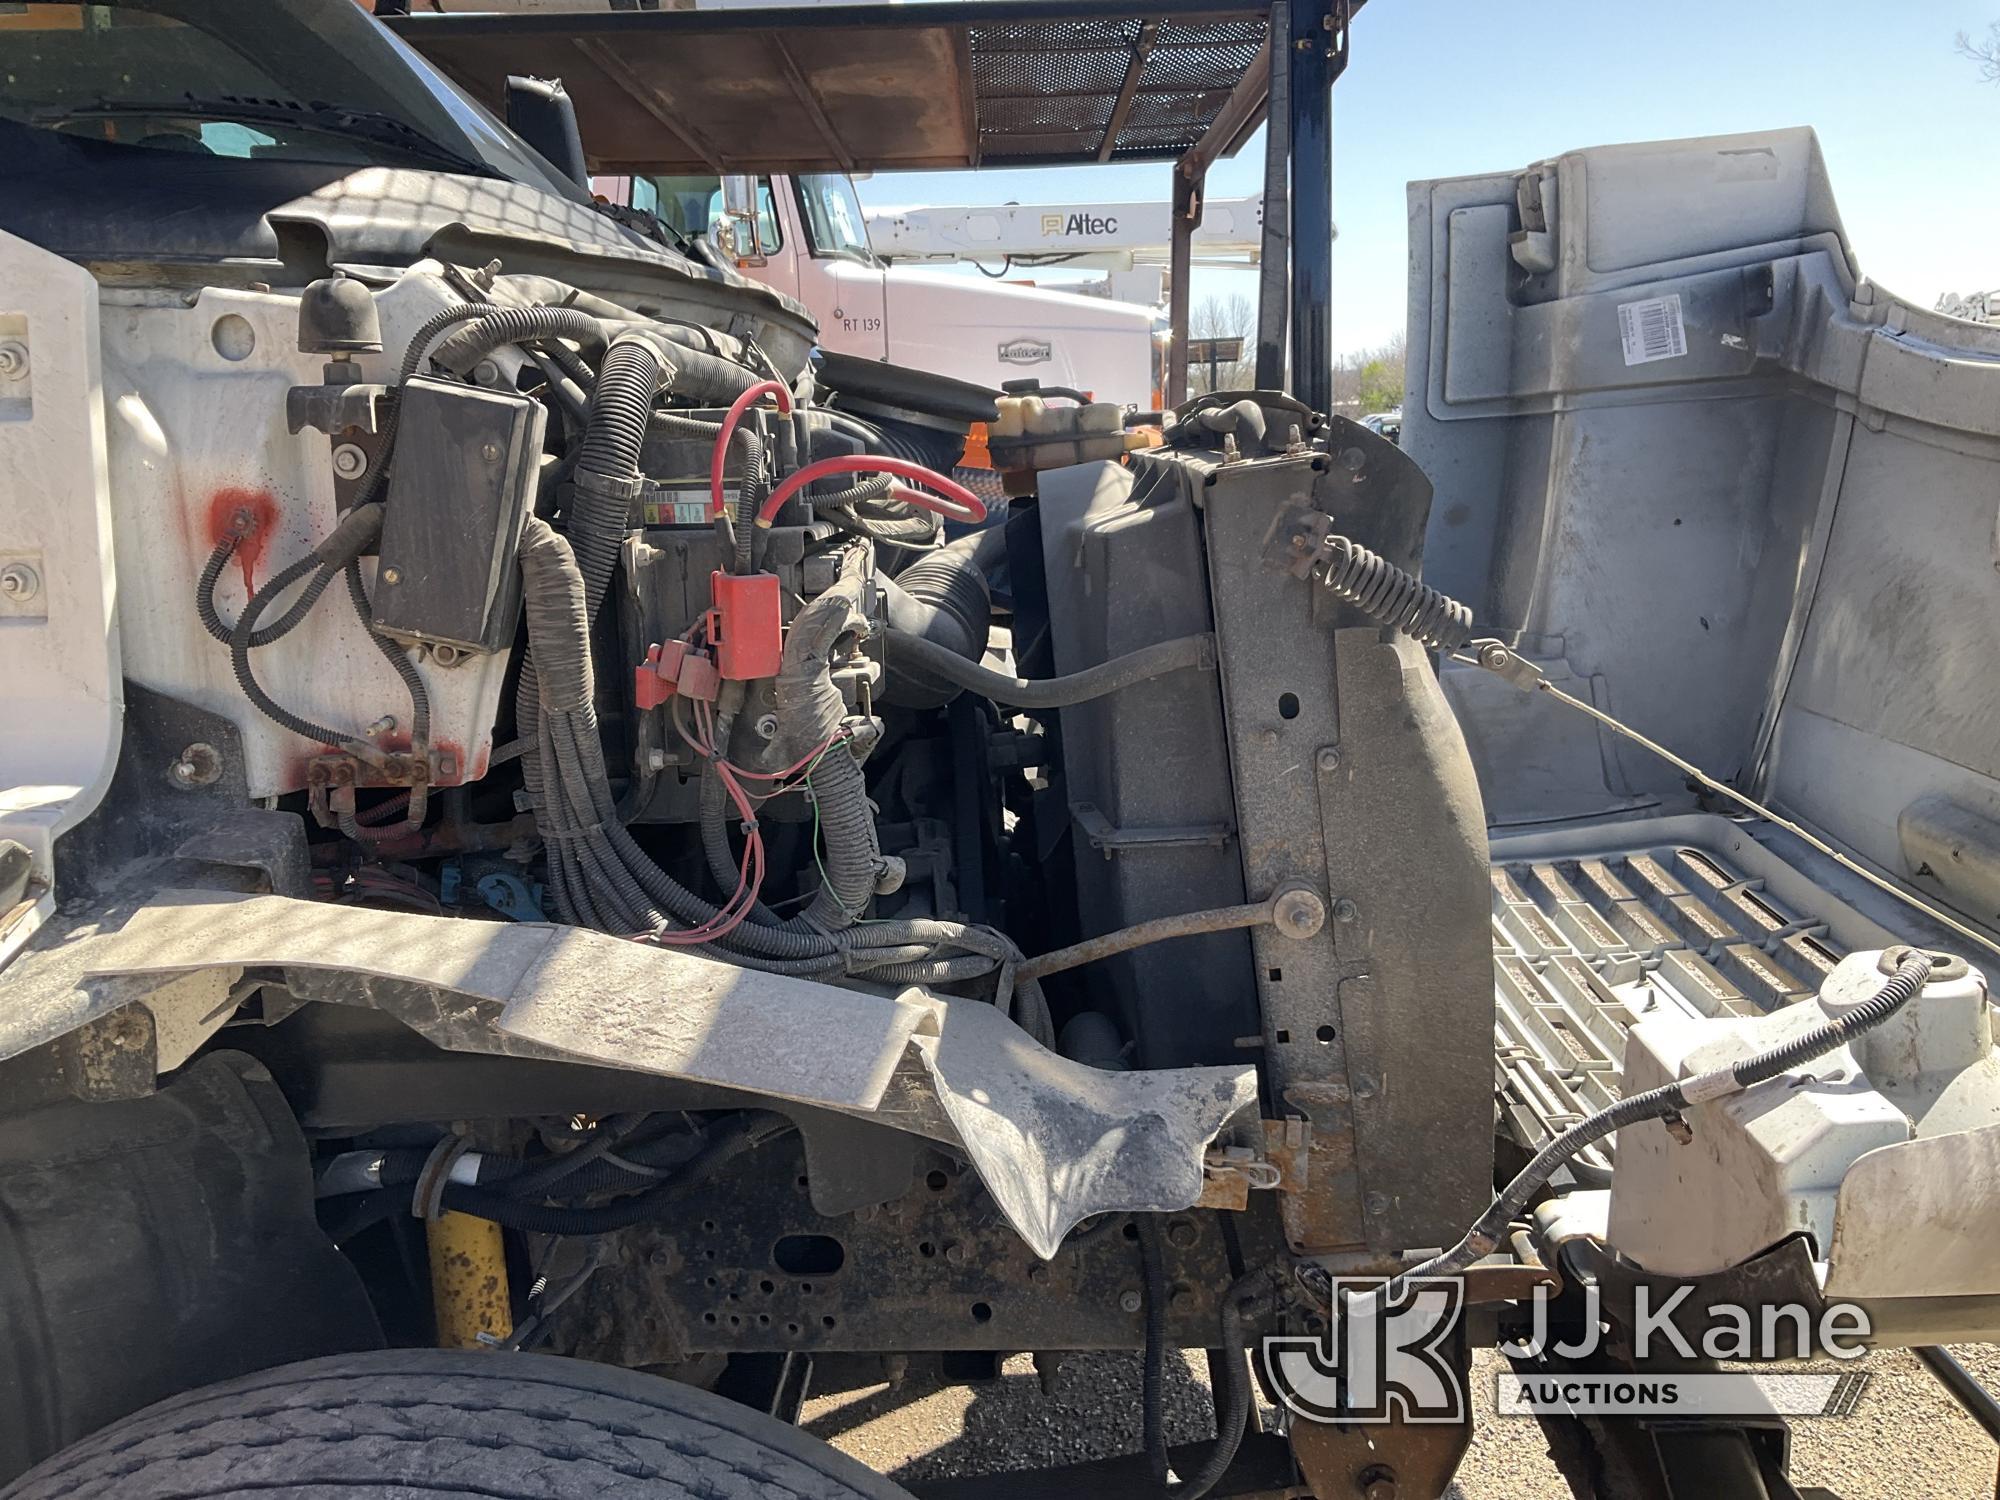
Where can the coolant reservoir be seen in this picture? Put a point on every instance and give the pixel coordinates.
(1892, 1142)
(1032, 434)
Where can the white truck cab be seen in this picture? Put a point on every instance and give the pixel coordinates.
(811, 242)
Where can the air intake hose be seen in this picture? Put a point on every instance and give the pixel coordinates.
(943, 598)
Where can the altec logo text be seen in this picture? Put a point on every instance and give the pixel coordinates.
(1079, 223)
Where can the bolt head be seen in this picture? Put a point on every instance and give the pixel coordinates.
(13, 360)
(20, 582)
(1130, 1301)
(490, 451)
(1329, 758)
(197, 766)
(1378, 1483)
(349, 462)
(392, 576)
(1351, 459)
(1298, 913)
(1344, 910)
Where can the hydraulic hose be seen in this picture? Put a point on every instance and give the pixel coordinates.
(1184, 653)
(1670, 1099)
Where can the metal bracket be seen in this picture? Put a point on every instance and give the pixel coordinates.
(1109, 840)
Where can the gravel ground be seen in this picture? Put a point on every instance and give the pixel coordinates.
(1906, 1440)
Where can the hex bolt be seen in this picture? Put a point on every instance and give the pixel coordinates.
(1130, 1301)
(19, 582)
(1298, 912)
(1377, 1482)
(486, 372)
(767, 727)
(196, 766)
(1377, 1204)
(349, 462)
(381, 726)
(1329, 758)
(1344, 910)
(1182, 1235)
(13, 360)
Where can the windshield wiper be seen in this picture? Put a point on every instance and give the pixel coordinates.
(333, 119)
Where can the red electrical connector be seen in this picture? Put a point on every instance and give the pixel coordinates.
(674, 667)
(746, 625)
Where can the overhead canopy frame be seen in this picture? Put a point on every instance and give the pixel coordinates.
(996, 83)
(990, 83)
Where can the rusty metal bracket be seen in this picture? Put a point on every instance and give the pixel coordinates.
(1230, 1174)
(1108, 839)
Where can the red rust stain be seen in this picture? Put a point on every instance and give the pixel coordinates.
(248, 515)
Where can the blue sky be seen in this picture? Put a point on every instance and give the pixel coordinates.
(1443, 88)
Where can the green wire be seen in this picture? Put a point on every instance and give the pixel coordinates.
(825, 880)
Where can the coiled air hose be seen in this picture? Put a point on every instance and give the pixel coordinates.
(1912, 969)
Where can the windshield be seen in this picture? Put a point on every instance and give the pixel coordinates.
(833, 215)
(692, 207)
(250, 79)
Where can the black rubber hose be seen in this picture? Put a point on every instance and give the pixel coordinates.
(1153, 1368)
(1184, 653)
(742, 1134)
(562, 1167)
(943, 597)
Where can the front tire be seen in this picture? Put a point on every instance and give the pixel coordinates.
(441, 1424)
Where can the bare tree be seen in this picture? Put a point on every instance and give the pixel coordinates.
(1369, 380)
(1985, 52)
(1223, 318)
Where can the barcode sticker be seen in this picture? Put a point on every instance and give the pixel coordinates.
(1652, 329)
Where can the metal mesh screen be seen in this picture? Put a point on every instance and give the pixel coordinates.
(1045, 90)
